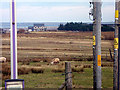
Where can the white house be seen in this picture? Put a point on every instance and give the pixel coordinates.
(39, 27)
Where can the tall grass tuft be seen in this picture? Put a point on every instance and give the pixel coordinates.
(25, 63)
(23, 70)
(38, 70)
(4, 77)
(87, 66)
(6, 69)
(107, 65)
(58, 70)
(78, 69)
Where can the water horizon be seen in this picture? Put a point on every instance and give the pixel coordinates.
(47, 24)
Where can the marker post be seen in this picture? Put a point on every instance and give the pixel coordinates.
(13, 36)
(14, 83)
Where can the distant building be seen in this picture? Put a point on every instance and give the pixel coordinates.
(52, 28)
(5, 30)
(1, 30)
(30, 29)
(21, 30)
(37, 27)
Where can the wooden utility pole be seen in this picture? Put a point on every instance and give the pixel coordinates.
(118, 86)
(115, 65)
(68, 76)
(118, 62)
(94, 45)
(98, 43)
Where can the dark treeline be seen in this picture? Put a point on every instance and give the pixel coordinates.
(82, 27)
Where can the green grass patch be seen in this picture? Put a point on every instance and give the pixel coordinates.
(50, 79)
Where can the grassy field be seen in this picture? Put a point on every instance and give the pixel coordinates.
(65, 45)
(49, 79)
(38, 49)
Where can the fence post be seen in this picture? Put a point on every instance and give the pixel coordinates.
(62, 86)
(68, 76)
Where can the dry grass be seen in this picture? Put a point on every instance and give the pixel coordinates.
(6, 69)
(38, 64)
(68, 46)
(23, 70)
(87, 66)
(25, 63)
(5, 77)
(78, 69)
(84, 65)
(107, 65)
(107, 36)
(37, 70)
(57, 70)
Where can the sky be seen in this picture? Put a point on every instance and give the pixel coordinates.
(54, 11)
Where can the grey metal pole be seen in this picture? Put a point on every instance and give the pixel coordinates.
(98, 43)
(115, 64)
(94, 46)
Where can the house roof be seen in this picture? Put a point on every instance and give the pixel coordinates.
(30, 27)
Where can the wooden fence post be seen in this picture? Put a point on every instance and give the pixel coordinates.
(62, 86)
(68, 76)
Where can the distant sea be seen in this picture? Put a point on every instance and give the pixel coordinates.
(47, 24)
(25, 25)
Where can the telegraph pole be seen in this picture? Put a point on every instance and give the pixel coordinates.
(115, 65)
(118, 87)
(98, 44)
(94, 45)
(96, 27)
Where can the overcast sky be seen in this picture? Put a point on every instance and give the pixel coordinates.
(55, 11)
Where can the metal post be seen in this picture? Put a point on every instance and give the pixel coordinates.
(94, 45)
(13, 40)
(115, 64)
(118, 87)
(68, 76)
(98, 44)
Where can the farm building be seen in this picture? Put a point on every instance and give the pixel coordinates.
(30, 28)
(37, 27)
(5, 30)
(1, 30)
